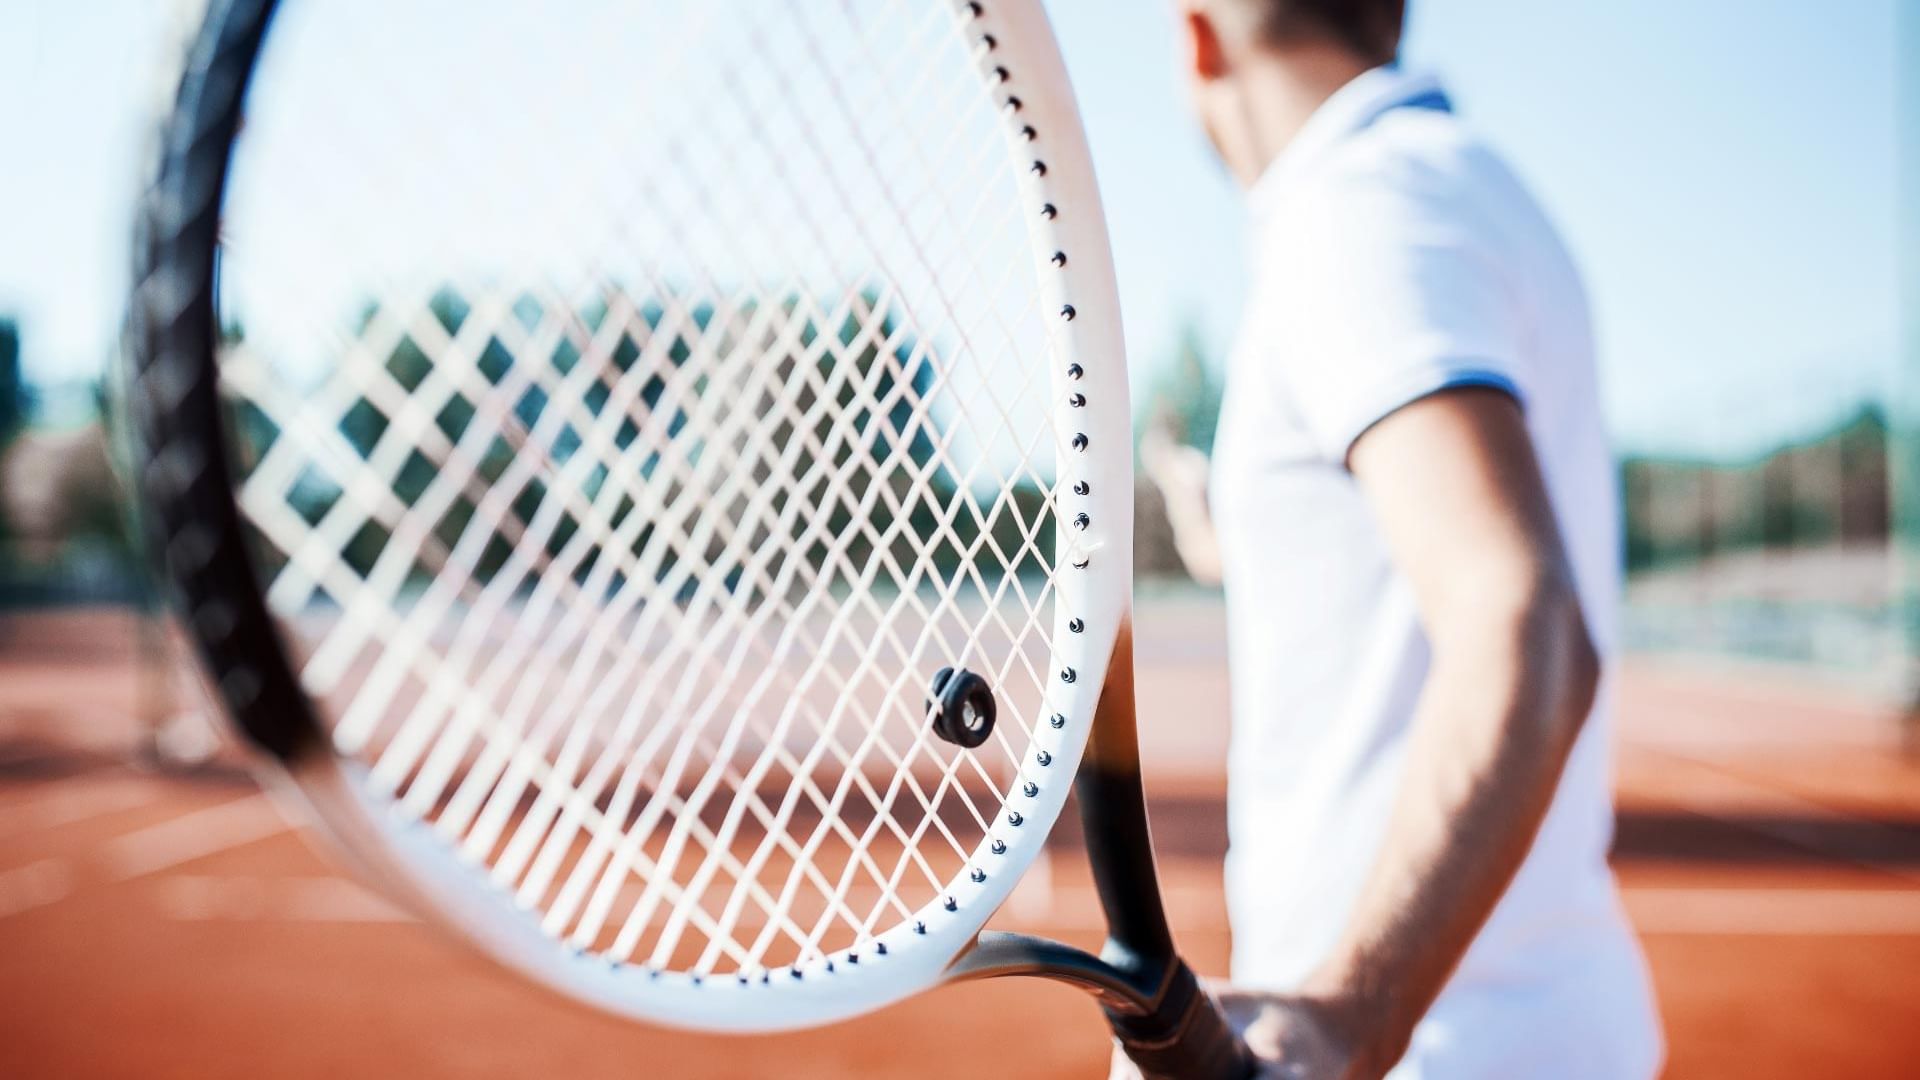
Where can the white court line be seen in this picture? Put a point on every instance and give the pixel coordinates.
(192, 836)
(1775, 912)
(36, 884)
(194, 898)
(145, 851)
(74, 802)
(1677, 912)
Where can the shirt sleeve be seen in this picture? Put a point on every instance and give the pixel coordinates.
(1384, 294)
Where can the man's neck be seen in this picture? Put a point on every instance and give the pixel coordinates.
(1282, 91)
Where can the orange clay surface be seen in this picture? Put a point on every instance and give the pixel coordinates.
(159, 924)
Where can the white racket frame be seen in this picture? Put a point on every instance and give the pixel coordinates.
(1019, 61)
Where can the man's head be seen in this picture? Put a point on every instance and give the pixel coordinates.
(1259, 67)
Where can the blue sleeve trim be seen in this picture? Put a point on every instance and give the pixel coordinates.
(1393, 397)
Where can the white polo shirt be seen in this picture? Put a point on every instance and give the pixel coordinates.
(1395, 256)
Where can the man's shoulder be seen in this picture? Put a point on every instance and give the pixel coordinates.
(1409, 165)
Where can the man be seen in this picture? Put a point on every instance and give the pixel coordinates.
(1414, 513)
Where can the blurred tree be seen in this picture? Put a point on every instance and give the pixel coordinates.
(1828, 488)
(850, 436)
(13, 386)
(13, 407)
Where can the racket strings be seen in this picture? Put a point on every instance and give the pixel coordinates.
(627, 569)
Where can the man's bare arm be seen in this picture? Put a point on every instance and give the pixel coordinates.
(1454, 483)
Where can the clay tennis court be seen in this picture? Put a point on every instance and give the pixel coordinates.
(170, 923)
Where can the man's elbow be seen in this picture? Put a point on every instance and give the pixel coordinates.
(1572, 657)
(1534, 629)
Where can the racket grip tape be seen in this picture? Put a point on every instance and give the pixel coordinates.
(1184, 1037)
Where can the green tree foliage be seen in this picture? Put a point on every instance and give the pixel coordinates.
(13, 407)
(13, 384)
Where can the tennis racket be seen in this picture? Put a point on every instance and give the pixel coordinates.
(656, 480)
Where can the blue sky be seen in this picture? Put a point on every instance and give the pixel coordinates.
(1724, 169)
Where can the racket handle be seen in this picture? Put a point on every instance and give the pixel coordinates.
(1184, 1037)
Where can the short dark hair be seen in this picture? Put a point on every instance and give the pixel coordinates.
(1371, 28)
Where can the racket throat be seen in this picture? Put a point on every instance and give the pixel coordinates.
(998, 953)
(1113, 815)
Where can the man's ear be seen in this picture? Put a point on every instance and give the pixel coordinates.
(1206, 60)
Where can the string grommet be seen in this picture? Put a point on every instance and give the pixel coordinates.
(1057, 720)
(1030, 789)
(1079, 440)
(1075, 625)
(1067, 312)
(1049, 211)
(1059, 257)
(1075, 371)
(1081, 488)
(1068, 675)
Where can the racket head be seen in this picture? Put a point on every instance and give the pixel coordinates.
(261, 638)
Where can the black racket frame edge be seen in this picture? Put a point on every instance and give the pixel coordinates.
(1160, 1014)
(182, 467)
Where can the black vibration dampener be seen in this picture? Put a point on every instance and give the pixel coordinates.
(962, 706)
